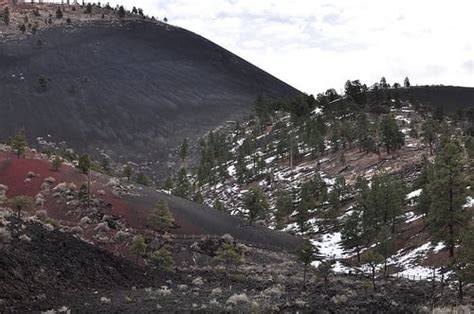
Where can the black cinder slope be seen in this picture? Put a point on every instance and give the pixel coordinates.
(136, 88)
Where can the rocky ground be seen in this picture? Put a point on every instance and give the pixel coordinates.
(43, 269)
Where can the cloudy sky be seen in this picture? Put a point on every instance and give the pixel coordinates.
(314, 45)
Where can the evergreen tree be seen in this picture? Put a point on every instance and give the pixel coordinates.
(429, 133)
(218, 205)
(19, 143)
(168, 184)
(57, 163)
(385, 246)
(383, 83)
(256, 204)
(143, 179)
(284, 208)
(413, 130)
(183, 150)
(353, 233)
(121, 12)
(198, 198)
(392, 137)
(83, 194)
(462, 265)
(138, 246)
(306, 254)
(85, 163)
(163, 259)
(387, 197)
(406, 82)
(20, 203)
(447, 188)
(89, 9)
(59, 13)
(263, 110)
(6, 16)
(241, 169)
(183, 187)
(325, 269)
(161, 218)
(229, 255)
(128, 172)
(373, 259)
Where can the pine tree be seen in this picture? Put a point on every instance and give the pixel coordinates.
(128, 172)
(183, 187)
(85, 163)
(20, 203)
(353, 233)
(447, 217)
(183, 150)
(198, 198)
(386, 245)
(229, 255)
(256, 204)
(325, 269)
(168, 184)
(59, 13)
(19, 143)
(241, 169)
(89, 9)
(83, 194)
(462, 265)
(161, 218)
(143, 179)
(306, 254)
(429, 133)
(284, 208)
(218, 205)
(392, 137)
(163, 259)
(57, 163)
(373, 259)
(406, 82)
(121, 12)
(6, 16)
(138, 246)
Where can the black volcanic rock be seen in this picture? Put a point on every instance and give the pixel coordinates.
(135, 88)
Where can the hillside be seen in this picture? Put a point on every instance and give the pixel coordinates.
(130, 87)
(309, 169)
(126, 207)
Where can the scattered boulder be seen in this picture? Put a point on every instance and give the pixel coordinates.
(105, 300)
(41, 214)
(84, 221)
(236, 299)
(76, 230)
(25, 238)
(198, 281)
(50, 180)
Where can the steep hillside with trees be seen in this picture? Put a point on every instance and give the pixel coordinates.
(377, 183)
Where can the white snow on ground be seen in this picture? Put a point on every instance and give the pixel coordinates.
(330, 245)
(410, 217)
(414, 194)
(231, 170)
(402, 118)
(407, 260)
(270, 159)
(469, 202)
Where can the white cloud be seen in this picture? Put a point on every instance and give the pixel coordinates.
(315, 45)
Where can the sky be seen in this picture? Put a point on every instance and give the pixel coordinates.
(315, 45)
